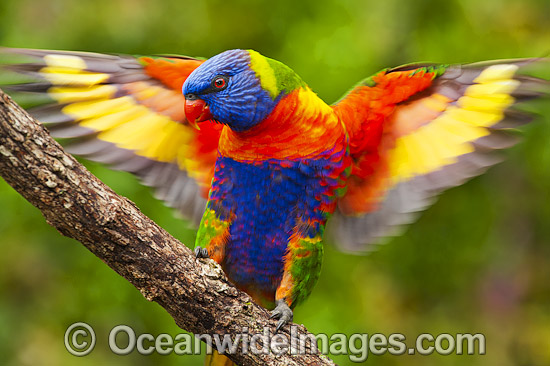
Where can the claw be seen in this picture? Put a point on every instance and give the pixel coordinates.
(201, 252)
(282, 312)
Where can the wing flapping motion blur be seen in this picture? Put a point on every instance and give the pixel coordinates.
(127, 112)
(414, 131)
(417, 130)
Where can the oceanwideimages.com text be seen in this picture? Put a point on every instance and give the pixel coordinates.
(80, 340)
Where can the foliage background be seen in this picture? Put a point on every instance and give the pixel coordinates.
(476, 262)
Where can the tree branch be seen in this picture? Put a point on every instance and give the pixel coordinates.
(195, 293)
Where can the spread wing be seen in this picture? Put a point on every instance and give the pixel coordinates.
(417, 130)
(127, 112)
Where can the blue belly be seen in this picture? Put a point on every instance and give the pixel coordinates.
(264, 201)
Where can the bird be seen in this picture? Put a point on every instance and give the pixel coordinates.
(245, 149)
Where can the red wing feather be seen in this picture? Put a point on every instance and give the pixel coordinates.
(127, 112)
(418, 130)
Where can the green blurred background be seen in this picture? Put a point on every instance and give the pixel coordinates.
(476, 262)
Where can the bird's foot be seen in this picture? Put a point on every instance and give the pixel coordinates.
(282, 312)
(201, 252)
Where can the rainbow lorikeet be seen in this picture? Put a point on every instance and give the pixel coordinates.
(270, 162)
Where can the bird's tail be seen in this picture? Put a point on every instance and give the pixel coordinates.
(217, 359)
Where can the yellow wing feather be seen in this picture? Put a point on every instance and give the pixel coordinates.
(429, 143)
(127, 112)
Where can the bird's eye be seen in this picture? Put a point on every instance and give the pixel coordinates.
(219, 82)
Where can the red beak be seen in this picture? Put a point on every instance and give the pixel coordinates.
(196, 111)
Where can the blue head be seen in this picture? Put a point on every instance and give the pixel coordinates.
(238, 88)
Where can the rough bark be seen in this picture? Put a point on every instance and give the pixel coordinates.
(195, 293)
